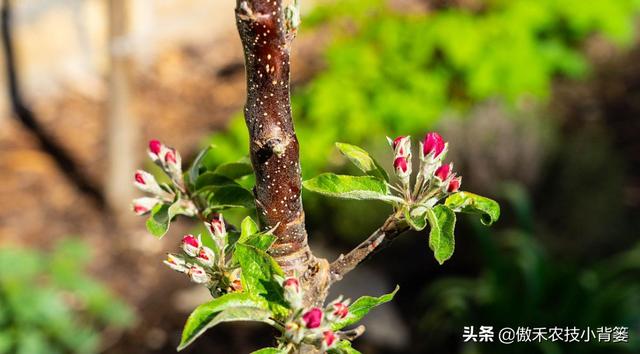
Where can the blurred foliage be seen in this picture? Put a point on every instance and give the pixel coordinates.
(393, 73)
(521, 285)
(49, 305)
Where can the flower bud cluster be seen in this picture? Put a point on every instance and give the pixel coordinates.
(311, 325)
(206, 265)
(434, 179)
(168, 159)
(170, 162)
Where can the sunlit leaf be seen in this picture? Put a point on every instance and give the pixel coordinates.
(343, 347)
(361, 307)
(227, 308)
(350, 187)
(361, 158)
(416, 217)
(258, 275)
(442, 221)
(158, 222)
(472, 203)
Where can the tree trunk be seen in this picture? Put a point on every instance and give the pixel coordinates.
(266, 35)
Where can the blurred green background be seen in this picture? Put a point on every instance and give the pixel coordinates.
(539, 100)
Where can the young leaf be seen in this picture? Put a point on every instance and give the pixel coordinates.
(472, 203)
(270, 351)
(213, 179)
(343, 347)
(234, 170)
(361, 307)
(350, 187)
(441, 240)
(361, 158)
(197, 166)
(258, 271)
(416, 217)
(227, 308)
(248, 227)
(158, 222)
(226, 196)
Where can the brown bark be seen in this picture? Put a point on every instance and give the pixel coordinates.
(266, 36)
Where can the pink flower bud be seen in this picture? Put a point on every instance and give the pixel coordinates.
(198, 274)
(443, 172)
(216, 226)
(340, 310)
(143, 205)
(176, 263)
(170, 157)
(402, 167)
(454, 185)
(402, 146)
(329, 338)
(191, 245)
(291, 283)
(292, 292)
(206, 256)
(433, 143)
(312, 318)
(400, 164)
(147, 183)
(155, 146)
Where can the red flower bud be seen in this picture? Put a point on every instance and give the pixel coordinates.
(454, 185)
(206, 256)
(216, 226)
(329, 338)
(443, 172)
(191, 245)
(400, 164)
(198, 274)
(170, 157)
(433, 143)
(140, 178)
(402, 146)
(340, 310)
(143, 205)
(291, 283)
(312, 318)
(397, 141)
(155, 146)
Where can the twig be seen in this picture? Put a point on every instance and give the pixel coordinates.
(379, 239)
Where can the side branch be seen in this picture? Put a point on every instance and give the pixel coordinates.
(378, 240)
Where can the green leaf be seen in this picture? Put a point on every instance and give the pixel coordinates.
(361, 307)
(213, 179)
(158, 222)
(232, 197)
(416, 217)
(269, 351)
(258, 276)
(250, 235)
(361, 158)
(227, 308)
(234, 170)
(196, 166)
(248, 227)
(472, 203)
(350, 187)
(343, 347)
(441, 240)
